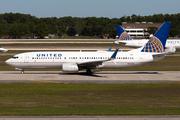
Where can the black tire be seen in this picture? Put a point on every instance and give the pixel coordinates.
(88, 71)
(22, 72)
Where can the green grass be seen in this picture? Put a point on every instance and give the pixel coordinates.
(39, 111)
(177, 52)
(89, 99)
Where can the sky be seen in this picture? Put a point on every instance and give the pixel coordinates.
(90, 8)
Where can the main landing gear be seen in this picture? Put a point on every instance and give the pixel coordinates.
(88, 71)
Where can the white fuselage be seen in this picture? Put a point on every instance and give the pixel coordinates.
(139, 43)
(57, 59)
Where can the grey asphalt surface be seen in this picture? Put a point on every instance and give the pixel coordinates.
(102, 77)
(165, 117)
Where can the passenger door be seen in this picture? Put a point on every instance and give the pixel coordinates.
(26, 58)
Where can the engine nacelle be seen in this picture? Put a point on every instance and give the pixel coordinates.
(170, 49)
(70, 68)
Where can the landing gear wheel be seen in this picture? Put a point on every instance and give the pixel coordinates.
(22, 72)
(88, 71)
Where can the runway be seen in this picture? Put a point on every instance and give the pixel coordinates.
(101, 77)
(163, 117)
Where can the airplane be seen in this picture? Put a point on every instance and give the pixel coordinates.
(126, 40)
(72, 62)
(3, 49)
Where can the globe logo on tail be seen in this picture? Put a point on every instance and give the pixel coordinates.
(124, 36)
(153, 45)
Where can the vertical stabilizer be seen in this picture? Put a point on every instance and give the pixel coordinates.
(157, 43)
(122, 34)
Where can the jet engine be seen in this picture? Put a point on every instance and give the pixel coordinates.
(70, 68)
(170, 49)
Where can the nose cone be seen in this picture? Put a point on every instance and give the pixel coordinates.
(8, 61)
(5, 50)
(116, 42)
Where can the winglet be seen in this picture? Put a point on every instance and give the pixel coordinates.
(109, 49)
(114, 54)
(122, 34)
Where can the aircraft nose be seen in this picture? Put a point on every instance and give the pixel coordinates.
(116, 42)
(7, 61)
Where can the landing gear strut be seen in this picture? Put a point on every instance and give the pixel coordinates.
(88, 71)
(22, 71)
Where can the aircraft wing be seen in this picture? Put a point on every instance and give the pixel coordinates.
(90, 64)
(93, 64)
(120, 42)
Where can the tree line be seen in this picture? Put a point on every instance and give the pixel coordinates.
(16, 25)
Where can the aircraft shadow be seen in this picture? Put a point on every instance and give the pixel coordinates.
(132, 73)
(82, 74)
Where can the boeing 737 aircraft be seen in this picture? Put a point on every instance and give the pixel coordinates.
(72, 62)
(126, 40)
(3, 49)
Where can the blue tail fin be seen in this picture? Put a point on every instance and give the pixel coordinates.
(122, 34)
(157, 43)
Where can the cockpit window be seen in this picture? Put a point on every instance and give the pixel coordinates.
(15, 57)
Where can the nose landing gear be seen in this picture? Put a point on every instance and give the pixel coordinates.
(88, 71)
(22, 71)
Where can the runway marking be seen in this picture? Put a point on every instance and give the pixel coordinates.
(48, 81)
